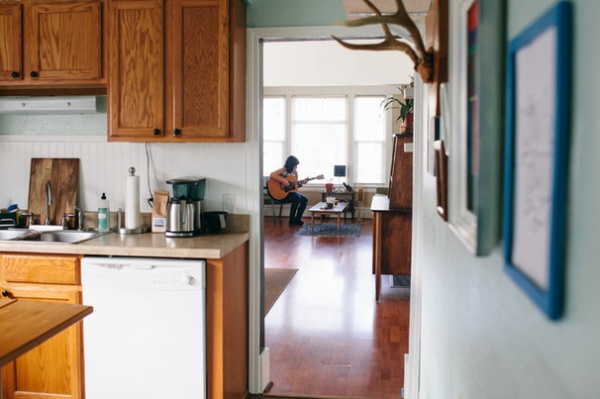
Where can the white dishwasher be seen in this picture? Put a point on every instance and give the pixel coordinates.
(146, 336)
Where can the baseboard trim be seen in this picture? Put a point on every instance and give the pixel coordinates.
(264, 372)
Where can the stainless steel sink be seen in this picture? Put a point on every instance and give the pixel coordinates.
(56, 236)
(12, 234)
(68, 236)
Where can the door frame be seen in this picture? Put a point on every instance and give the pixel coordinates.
(258, 353)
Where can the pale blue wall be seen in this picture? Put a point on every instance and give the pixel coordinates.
(276, 13)
(71, 125)
(482, 337)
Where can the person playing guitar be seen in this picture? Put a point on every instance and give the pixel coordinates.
(287, 176)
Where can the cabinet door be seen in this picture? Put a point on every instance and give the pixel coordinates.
(63, 41)
(55, 368)
(136, 74)
(11, 67)
(200, 68)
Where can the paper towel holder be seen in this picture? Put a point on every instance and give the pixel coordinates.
(134, 230)
(137, 230)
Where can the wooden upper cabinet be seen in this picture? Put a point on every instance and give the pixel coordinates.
(11, 66)
(200, 94)
(51, 43)
(64, 40)
(136, 70)
(200, 68)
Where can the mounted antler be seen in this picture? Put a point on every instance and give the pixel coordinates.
(421, 58)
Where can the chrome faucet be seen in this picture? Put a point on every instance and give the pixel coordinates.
(48, 201)
(79, 217)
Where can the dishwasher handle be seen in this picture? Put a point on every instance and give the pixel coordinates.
(141, 266)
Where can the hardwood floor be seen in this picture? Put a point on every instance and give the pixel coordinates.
(327, 335)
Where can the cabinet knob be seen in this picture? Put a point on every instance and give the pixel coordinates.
(33, 74)
(5, 293)
(156, 132)
(15, 74)
(177, 132)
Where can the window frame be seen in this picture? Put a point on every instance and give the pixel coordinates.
(350, 92)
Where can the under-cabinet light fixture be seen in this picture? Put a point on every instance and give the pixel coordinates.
(48, 105)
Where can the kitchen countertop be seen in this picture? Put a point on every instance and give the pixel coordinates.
(203, 246)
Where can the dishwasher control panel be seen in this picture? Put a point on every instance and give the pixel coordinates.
(141, 273)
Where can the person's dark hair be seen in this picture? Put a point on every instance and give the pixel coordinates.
(290, 162)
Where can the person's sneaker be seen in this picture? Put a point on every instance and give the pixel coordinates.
(296, 222)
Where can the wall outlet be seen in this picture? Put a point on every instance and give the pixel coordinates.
(229, 203)
(144, 205)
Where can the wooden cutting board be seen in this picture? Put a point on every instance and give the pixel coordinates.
(63, 175)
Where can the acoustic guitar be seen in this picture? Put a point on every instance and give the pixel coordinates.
(278, 192)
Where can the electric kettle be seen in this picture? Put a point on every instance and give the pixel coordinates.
(181, 217)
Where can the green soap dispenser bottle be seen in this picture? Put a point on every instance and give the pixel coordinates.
(103, 214)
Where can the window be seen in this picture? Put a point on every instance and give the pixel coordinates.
(323, 129)
(274, 136)
(319, 133)
(369, 139)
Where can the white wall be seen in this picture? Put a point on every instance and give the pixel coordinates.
(325, 62)
(104, 167)
(481, 335)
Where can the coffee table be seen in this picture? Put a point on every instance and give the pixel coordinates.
(346, 196)
(321, 208)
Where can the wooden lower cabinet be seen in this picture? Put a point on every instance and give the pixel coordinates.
(53, 369)
(227, 325)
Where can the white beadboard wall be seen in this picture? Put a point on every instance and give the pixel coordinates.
(104, 167)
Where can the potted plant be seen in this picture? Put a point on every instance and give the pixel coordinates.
(406, 110)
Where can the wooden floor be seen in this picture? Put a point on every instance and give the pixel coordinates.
(327, 335)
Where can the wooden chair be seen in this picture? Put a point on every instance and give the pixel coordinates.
(267, 199)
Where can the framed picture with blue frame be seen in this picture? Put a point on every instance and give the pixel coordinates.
(536, 157)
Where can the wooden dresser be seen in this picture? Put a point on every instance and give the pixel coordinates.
(392, 217)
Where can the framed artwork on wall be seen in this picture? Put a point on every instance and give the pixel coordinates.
(476, 126)
(537, 137)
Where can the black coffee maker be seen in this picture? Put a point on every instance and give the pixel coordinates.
(191, 190)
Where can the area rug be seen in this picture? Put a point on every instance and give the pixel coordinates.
(330, 230)
(276, 280)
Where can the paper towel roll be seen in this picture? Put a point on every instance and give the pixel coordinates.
(132, 201)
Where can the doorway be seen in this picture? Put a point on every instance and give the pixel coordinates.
(336, 262)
